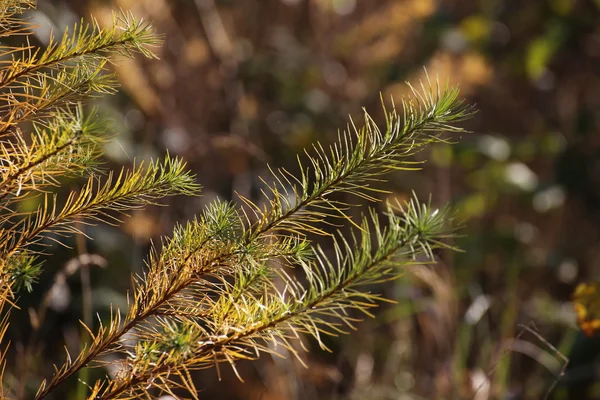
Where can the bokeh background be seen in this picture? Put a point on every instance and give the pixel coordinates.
(241, 84)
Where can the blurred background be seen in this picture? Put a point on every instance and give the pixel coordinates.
(242, 84)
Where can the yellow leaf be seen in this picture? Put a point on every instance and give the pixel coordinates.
(587, 306)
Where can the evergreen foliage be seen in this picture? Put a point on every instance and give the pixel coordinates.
(233, 282)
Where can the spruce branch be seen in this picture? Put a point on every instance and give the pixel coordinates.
(34, 82)
(356, 162)
(99, 200)
(166, 352)
(11, 22)
(87, 44)
(65, 145)
(182, 261)
(42, 90)
(42, 95)
(214, 281)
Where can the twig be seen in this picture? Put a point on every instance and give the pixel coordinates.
(531, 328)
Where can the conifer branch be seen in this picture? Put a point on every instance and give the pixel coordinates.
(320, 308)
(87, 44)
(65, 145)
(39, 97)
(69, 70)
(188, 285)
(356, 161)
(11, 22)
(45, 88)
(97, 201)
(214, 227)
